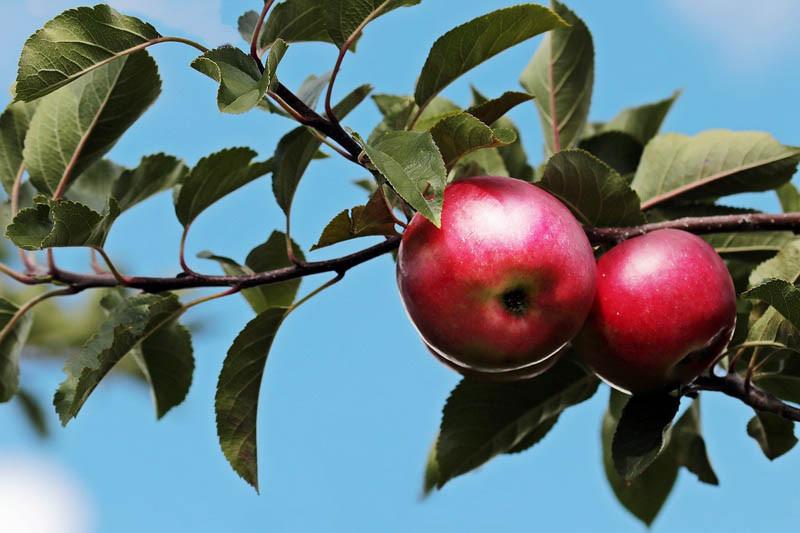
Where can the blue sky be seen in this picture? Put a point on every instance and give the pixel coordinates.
(351, 400)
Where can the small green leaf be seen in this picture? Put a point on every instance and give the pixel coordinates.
(773, 433)
(298, 147)
(561, 77)
(593, 191)
(686, 439)
(642, 122)
(411, 163)
(77, 125)
(482, 420)
(490, 111)
(293, 21)
(241, 84)
(343, 17)
(486, 162)
(462, 134)
(263, 258)
(128, 324)
(14, 123)
(785, 265)
(34, 413)
(711, 164)
(214, 177)
(154, 174)
(467, 46)
(360, 221)
(11, 347)
(640, 434)
(789, 198)
(61, 223)
(73, 44)
(781, 295)
(621, 151)
(238, 390)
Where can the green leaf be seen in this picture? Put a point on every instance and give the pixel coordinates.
(642, 122)
(413, 166)
(73, 44)
(515, 160)
(487, 162)
(166, 359)
(263, 258)
(34, 413)
(687, 441)
(360, 221)
(773, 433)
(621, 151)
(490, 111)
(311, 89)
(781, 295)
(14, 123)
(343, 17)
(294, 21)
(238, 390)
(534, 437)
(561, 76)
(789, 198)
(593, 191)
(128, 324)
(467, 46)
(461, 134)
(640, 434)
(215, 177)
(712, 164)
(61, 223)
(298, 147)
(75, 126)
(241, 84)
(154, 174)
(785, 265)
(482, 420)
(11, 347)
(748, 243)
(93, 187)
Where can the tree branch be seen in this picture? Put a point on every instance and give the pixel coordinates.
(735, 386)
(701, 226)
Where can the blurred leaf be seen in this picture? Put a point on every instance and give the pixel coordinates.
(642, 122)
(712, 164)
(241, 84)
(75, 126)
(515, 160)
(490, 111)
(594, 192)
(214, 177)
(10, 347)
(482, 420)
(781, 295)
(486, 162)
(773, 433)
(469, 45)
(271, 255)
(61, 223)
(166, 359)
(561, 77)
(640, 434)
(311, 89)
(14, 123)
(413, 166)
(238, 390)
(73, 44)
(621, 151)
(686, 439)
(461, 134)
(131, 322)
(360, 221)
(789, 198)
(93, 187)
(154, 174)
(34, 413)
(297, 148)
(343, 17)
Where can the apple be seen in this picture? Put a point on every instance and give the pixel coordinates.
(664, 312)
(504, 284)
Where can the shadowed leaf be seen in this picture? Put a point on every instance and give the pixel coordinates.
(14, 123)
(773, 433)
(361, 221)
(11, 347)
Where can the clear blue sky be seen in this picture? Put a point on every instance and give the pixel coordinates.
(351, 400)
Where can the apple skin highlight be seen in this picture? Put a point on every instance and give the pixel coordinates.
(504, 284)
(665, 311)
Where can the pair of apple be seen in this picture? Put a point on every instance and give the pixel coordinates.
(510, 279)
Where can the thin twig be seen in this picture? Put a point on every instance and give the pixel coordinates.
(28, 260)
(254, 49)
(735, 386)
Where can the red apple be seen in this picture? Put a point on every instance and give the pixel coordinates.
(504, 284)
(665, 311)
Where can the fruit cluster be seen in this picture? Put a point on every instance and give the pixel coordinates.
(510, 279)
